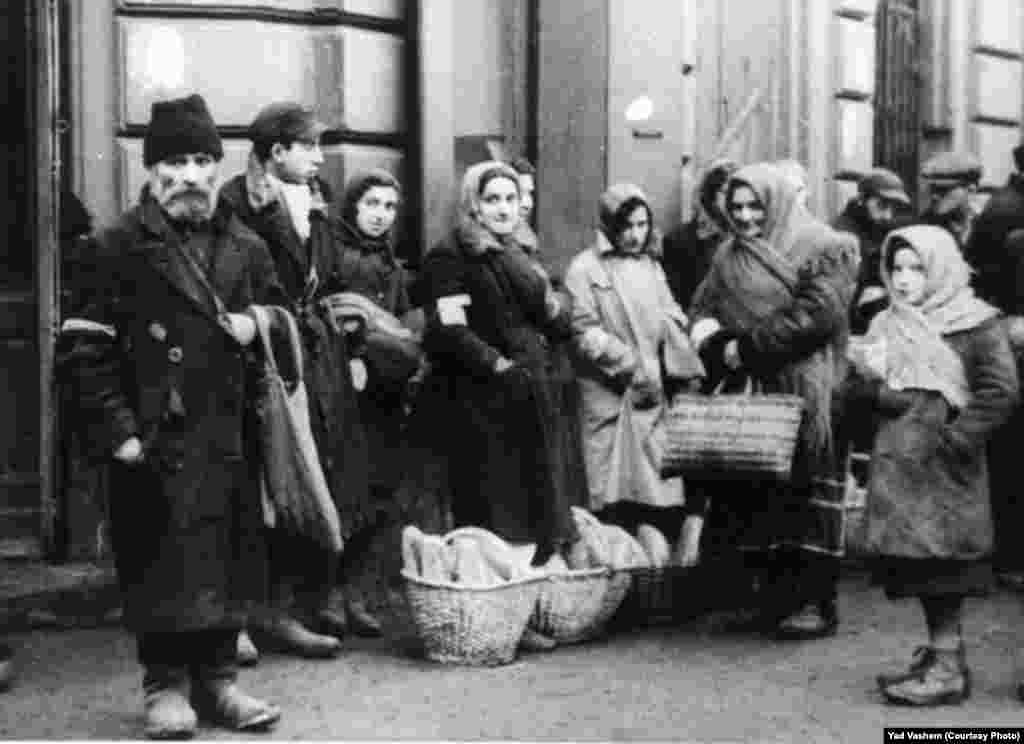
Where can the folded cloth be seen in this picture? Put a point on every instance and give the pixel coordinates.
(352, 304)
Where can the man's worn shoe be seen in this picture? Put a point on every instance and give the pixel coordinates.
(331, 623)
(361, 621)
(223, 704)
(168, 714)
(813, 621)
(246, 652)
(288, 635)
(942, 682)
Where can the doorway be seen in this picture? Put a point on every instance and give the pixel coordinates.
(28, 251)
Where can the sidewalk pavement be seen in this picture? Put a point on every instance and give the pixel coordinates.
(36, 594)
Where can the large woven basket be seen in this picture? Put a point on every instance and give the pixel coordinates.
(478, 626)
(575, 606)
(730, 437)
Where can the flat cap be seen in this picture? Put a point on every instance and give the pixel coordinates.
(285, 122)
(884, 183)
(951, 168)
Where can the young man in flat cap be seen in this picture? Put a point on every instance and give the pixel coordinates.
(870, 216)
(951, 180)
(163, 358)
(282, 198)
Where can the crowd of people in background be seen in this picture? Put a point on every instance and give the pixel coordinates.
(506, 395)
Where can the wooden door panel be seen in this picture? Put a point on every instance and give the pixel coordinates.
(897, 89)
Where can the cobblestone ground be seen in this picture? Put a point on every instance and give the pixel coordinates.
(685, 682)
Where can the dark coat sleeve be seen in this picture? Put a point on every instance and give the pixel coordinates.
(816, 315)
(443, 276)
(992, 376)
(95, 359)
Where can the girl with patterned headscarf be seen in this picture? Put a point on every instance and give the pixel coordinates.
(936, 367)
(773, 311)
(492, 322)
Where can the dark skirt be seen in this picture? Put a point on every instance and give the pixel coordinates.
(913, 577)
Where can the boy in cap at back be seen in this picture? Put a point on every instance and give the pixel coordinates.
(870, 216)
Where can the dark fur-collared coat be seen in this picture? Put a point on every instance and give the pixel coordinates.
(150, 359)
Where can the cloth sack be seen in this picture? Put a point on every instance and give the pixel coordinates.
(743, 436)
(296, 495)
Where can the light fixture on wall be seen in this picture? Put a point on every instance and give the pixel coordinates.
(163, 63)
(640, 110)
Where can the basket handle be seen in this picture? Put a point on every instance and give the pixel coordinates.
(749, 387)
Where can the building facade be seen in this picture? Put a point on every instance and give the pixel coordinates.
(594, 91)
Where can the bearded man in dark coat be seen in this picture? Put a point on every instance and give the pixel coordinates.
(163, 361)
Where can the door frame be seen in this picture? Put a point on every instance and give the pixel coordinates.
(43, 25)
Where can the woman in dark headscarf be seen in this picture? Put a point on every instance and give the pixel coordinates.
(373, 286)
(492, 320)
(690, 247)
(773, 310)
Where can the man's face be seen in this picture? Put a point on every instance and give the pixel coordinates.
(879, 210)
(184, 185)
(297, 163)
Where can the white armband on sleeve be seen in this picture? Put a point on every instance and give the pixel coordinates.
(452, 309)
(81, 325)
(702, 331)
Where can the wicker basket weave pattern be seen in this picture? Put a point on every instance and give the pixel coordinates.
(735, 435)
(573, 607)
(478, 626)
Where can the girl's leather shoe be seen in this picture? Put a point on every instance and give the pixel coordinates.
(943, 682)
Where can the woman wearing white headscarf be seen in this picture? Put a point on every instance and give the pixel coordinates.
(773, 310)
(937, 367)
(492, 322)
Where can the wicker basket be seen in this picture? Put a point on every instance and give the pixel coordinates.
(478, 626)
(730, 437)
(575, 606)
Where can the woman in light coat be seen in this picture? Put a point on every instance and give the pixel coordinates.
(627, 331)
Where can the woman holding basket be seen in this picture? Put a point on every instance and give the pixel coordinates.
(771, 314)
(627, 328)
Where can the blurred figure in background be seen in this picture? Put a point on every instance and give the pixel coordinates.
(870, 216)
(690, 246)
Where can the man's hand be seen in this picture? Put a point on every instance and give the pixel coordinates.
(130, 451)
(242, 327)
(503, 365)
